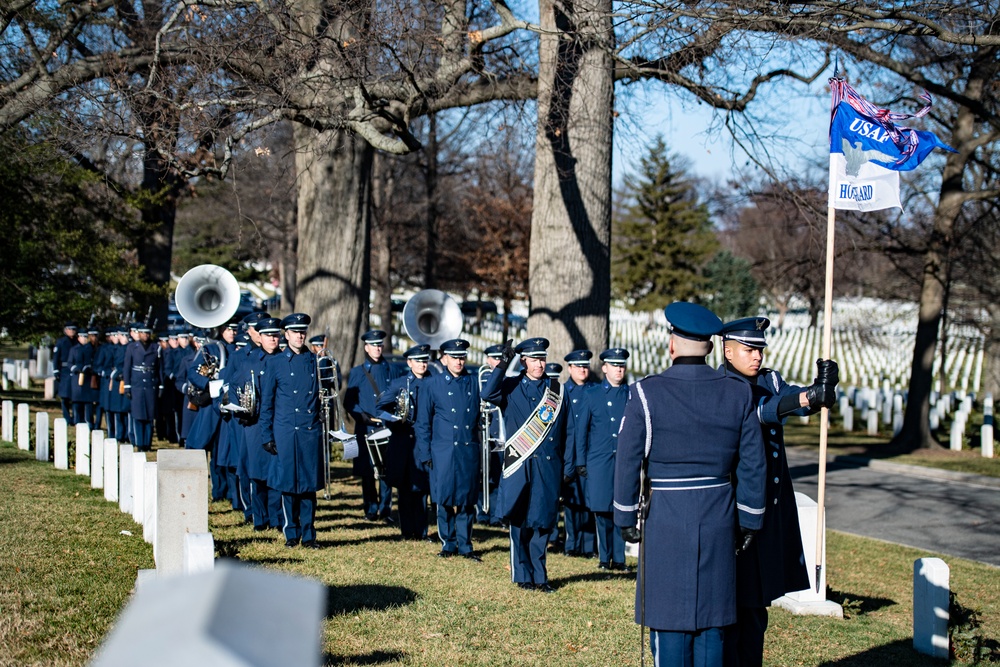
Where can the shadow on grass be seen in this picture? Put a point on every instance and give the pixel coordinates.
(856, 605)
(393, 537)
(597, 575)
(342, 600)
(899, 653)
(373, 658)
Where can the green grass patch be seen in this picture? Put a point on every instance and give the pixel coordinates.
(66, 571)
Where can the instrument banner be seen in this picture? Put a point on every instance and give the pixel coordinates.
(531, 434)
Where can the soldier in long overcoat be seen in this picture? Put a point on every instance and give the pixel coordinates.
(365, 384)
(448, 447)
(143, 380)
(530, 484)
(577, 519)
(773, 564)
(689, 429)
(402, 471)
(596, 445)
(85, 391)
(60, 365)
(290, 429)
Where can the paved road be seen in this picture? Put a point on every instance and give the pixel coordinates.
(902, 504)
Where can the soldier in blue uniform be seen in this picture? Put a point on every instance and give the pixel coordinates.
(165, 424)
(596, 435)
(290, 429)
(103, 364)
(577, 519)
(687, 431)
(533, 470)
(773, 563)
(143, 381)
(85, 390)
(402, 471)
(265, 503)
(118, 404)
(365, 384)
(448, 447)
(492, 355)
(60, 364)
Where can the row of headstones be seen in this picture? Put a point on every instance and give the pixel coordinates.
(16, 372)
(168, 497)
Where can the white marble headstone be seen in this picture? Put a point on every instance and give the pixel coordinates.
(42, 436)
(82, 445)
(60, 438)
(111, 470)
(125, 479)
(23, 427)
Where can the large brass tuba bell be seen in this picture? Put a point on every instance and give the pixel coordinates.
(207, 296)
(431, 317)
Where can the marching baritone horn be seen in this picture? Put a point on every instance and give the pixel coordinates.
(488, 444)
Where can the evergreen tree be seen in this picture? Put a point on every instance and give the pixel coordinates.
(732, 290)
(661, 241)
(67, 251)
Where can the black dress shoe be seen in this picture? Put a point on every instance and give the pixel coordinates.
(572, 553)
(389, 521)
(371, 517)
(526, 585)
(310, 545)
(603, 565)
(260, 529)
(621, 567)
(472, 555)
(291, 543)
(445, 554)
(544, 588)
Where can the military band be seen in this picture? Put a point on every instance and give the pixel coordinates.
(690, 463)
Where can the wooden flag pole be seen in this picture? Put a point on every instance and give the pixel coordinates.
(824, 414)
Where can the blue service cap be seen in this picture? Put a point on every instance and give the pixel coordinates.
(81, 332)
(373, 337)
(242, 340)
(533, 347)
(615, 356)
(70, 325)
(495, 351)
(749, 331)
(296, 322)
(162, 334)
(134, 326)
(456, 347)
(183, 334)
(579, 358)
(317, 340)
(234, 326)
(253, 318)
(143, 328)
(418, 352)
(691, 321)
(268, 325)
(552, 369)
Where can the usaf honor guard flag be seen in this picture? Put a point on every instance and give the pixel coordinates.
(867, 151)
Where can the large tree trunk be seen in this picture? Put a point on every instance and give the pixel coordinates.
(916, 431)
(159, 213)
(570, 268)
(990, 383)
(382, 187)
(334, 219)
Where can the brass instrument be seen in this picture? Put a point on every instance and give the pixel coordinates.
(207, 296)
(431, 316)
(329, 399)
(209, 368)
(488, 445)
(404, 404)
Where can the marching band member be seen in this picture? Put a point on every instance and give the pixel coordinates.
(577, 519)
(448, 448)
(142, 375)
(290, 429)
(534, 415)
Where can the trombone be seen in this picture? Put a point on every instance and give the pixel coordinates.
(488, 445)
(328, 374)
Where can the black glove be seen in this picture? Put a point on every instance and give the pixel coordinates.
(581, 471)
(128, 393)
(271, 448)
(827, 372)
(821, 396)
(567, 479)
(56, 375)
(631, 534)
(508, 352)
(744, 540)
(428, 465)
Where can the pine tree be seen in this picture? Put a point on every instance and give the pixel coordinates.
(732, 290)
(664, 237)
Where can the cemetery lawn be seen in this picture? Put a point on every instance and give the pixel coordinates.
(839, 443)
(66, 570)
